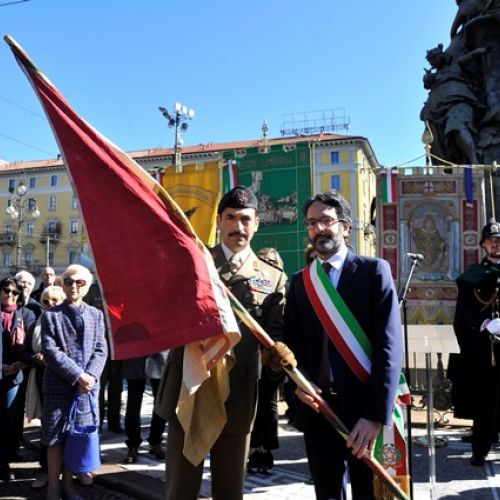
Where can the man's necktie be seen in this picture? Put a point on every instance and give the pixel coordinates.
(234, 263)
(327, 266)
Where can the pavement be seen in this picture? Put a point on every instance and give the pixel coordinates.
(289, 480)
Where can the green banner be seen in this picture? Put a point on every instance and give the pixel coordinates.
(281, 180)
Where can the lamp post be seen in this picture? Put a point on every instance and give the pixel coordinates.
(19, 205)
(178, 120)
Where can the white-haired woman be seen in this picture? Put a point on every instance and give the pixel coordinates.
(74, 350)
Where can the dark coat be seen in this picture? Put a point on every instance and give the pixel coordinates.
(68, 352)
(367, 288)
(475, 379)
(9, 355)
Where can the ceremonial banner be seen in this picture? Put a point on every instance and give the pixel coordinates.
(159, 283)
(197, 192)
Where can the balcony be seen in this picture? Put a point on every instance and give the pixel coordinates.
(52, 232)
(7, 239)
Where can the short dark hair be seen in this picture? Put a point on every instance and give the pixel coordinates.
(332, 199)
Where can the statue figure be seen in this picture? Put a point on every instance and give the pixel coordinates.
(468, 9)
(454, 103)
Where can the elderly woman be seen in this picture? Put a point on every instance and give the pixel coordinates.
(74, 350)
(51, 296)
(16, 324)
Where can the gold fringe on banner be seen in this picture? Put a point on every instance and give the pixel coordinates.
(382, 492)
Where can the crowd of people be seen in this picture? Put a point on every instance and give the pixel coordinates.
(54, 347)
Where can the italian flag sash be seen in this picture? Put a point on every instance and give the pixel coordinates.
(354, 346)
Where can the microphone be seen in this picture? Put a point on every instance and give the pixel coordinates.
(415, 256)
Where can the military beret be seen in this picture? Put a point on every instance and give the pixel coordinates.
(238, 197)
(491, 230)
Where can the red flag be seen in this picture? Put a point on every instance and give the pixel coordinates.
(159, 282)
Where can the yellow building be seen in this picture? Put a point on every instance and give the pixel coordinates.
(311, 164)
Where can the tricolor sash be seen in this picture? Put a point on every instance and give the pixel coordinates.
(354, 346)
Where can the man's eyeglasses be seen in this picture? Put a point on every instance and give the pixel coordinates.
(324, 221)
(9, 290)
(70, 281)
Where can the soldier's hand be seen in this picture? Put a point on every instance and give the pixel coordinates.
(493, 326)
(280, 356)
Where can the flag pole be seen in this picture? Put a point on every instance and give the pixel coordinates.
(307, 387)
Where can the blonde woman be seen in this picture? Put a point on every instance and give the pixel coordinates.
(50, 297)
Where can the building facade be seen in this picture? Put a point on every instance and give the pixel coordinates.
(283, 172)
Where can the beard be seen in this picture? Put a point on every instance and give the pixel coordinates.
(327, 245)
(493, 255)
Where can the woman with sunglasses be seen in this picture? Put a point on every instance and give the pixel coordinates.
(17, 322)
(74, 350)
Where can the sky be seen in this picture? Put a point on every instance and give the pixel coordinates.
(234, 62)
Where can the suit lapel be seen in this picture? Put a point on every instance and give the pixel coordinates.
(346, 282)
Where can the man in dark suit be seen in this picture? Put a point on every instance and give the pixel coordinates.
(366, 287)
(260, 287)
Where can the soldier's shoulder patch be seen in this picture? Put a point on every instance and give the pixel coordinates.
(269, 263)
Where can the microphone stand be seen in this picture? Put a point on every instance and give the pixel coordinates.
(402, 304)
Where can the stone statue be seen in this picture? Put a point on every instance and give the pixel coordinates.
(454, 103)
(468, 9)
(463, 105)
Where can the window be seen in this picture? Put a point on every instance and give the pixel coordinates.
(335, 182)
(72, 257)
(52, 202)
(74, 202)
(334, 156)
(53, 180)
(7, 259)
(51, 258)
(8, 228)
(51, 226)
(30, 228)
(31, 204)
(32, 182)
(28, 257)
(73, 226)
(12, 185)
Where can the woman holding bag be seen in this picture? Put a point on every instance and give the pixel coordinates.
(75, 351)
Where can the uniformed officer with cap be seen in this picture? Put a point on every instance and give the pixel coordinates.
(477, 327)
(260, 287)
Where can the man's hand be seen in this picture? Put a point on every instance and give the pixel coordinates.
(86, 382)
(362, 436)
(280, 356)
(308, 400)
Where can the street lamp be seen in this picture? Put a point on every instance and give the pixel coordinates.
(18, 207)
(182, 113)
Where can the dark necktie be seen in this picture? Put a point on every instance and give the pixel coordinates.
(327, 266)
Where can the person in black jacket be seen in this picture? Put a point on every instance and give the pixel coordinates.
(477, 327)
(16, 324)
